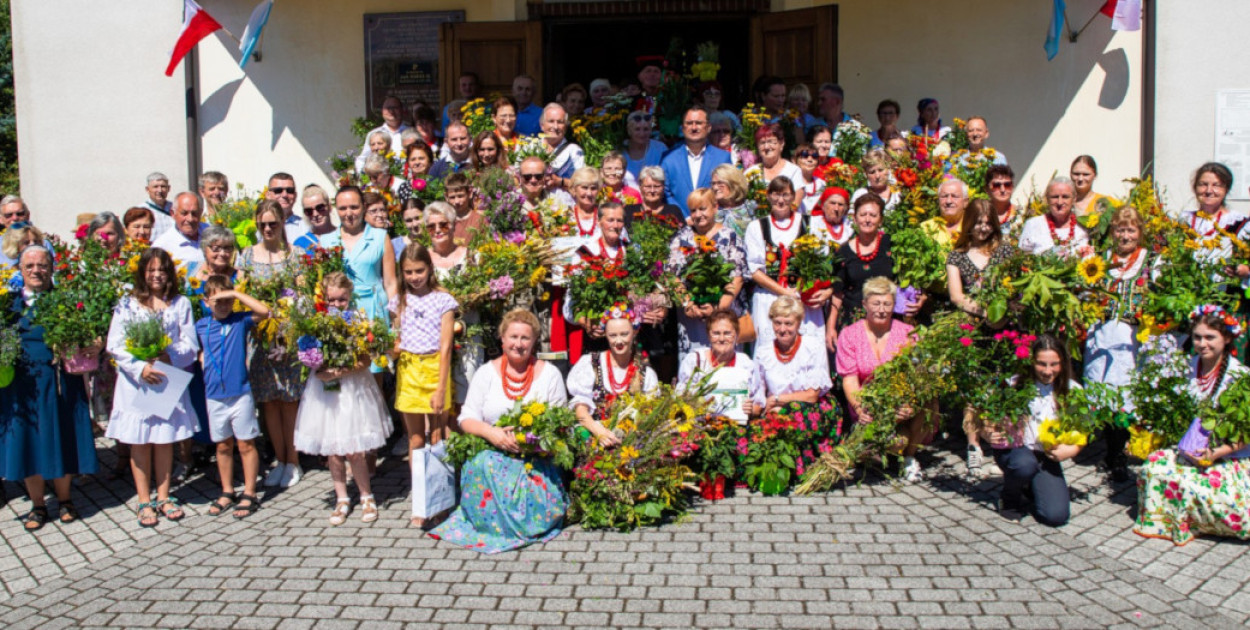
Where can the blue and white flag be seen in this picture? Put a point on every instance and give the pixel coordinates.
(1056, 29)
(251, 33)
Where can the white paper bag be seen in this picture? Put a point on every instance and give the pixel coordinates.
(433, 484)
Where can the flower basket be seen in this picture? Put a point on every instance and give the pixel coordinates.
(6, 375)
(712, 488)
(81, 362)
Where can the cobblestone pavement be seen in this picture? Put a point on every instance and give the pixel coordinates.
(876, 555)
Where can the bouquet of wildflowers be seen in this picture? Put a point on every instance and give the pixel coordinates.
(1159, 389)
(239, 216)
(601, 133)
(477, 116)
(316, 264)
(508, 273)
(706, 273)
(506, 214)
(327, 338)
(852, 141)
(595, 286)
(641, 482)
(540, 431)
(811, 265)
(753, 117)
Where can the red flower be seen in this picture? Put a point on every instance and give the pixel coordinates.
(80, 306)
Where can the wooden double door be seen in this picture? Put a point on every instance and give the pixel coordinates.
(798, 46)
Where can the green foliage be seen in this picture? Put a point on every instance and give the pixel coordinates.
(540, 431)
(1092, 408)
(1186, 284)
(146, 338)
(9, 183)
(1230, 422)
(1160, 392)
(919, 261)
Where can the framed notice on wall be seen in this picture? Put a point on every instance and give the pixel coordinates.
(1232, 138)
(401, 57)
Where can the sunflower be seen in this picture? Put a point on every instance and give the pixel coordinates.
(1092, 270)
(705, 244)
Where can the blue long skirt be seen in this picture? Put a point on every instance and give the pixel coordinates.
(503, 506)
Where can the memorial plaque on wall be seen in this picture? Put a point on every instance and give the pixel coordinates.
(401, 57)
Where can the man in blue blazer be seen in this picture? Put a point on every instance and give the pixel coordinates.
(689, 165)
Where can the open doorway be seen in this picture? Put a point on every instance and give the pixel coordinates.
(583, 49)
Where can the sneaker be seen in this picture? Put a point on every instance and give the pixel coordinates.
(274, 478)
(975, 459)
(292, 476)
(911, 470)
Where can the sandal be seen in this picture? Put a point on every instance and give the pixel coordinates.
(169, 508)
(341, 510)
(368, 509)
(69, 513)
(149, 521)
(217, 508)
(34, 520)
(243, 511)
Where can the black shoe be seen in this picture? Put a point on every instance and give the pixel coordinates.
(1013, 514)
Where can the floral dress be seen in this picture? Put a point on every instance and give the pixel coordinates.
(506, 502)
(274, 376)
(1177, 500)
(692, 333)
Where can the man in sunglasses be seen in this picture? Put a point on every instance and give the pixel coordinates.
(12, 210)
(532, 177)
(282, 190)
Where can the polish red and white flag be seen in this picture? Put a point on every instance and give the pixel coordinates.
(196, 25)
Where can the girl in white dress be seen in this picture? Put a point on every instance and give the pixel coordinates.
(151, 437)
(344, 423)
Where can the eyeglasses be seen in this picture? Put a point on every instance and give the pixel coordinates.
(268, 225)
(1001, 185)
(807, 154)
(531, 177)
(283, 190)
(320, 208)
(438, 225)
(219, 249)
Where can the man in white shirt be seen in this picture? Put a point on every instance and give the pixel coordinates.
(566, 157)
(282, 190)
(183, 242)
(392, 123)
(158, 202)
(978, 132)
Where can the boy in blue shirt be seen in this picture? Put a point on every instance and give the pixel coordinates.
(231, 410)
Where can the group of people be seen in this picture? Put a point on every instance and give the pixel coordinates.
(768, 345)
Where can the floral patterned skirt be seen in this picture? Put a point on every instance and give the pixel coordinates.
(505, 504)
(1176, 500)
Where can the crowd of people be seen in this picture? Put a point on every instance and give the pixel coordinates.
(769, 344)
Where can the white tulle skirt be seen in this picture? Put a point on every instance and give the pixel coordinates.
(353, 419)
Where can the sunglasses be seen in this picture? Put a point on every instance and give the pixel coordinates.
(807, 154)
(531, 177)
(320, 208)
(438, 225)
(283, 190)
(268, 225)
(1001, 185)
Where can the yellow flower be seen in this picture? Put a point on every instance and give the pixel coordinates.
(628, 453)
(1142, 443)
(626, 426)
(1092, 270)
(537, 408)
(381, 361)
(536, 278)
(520, 438)
(527, 420)
(529, 467)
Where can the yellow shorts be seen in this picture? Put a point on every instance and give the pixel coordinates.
(416, 379)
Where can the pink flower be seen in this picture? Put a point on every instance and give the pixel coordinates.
(998, 336)
(968, 327)
(1155, 456)
(742, 446)
(965, 341)
(1022, 352)
(418, 184)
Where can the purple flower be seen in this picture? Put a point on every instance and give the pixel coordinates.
(312, 358)
(288, 293)
(515, 237)
(500, 287)
(905, 297)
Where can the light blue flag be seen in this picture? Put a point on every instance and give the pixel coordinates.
(251, 33)
(1056, 28)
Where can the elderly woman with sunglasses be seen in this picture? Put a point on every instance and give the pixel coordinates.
(275, 377)
(808, 189)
